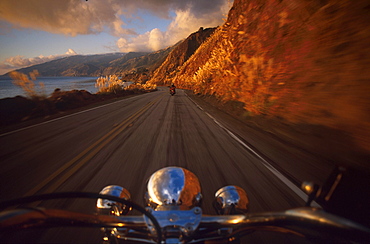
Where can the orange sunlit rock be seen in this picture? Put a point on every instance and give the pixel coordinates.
(305, 62)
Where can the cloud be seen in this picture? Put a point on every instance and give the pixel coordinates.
(76, 17)
(150, 41)
(18, 61)
(155, 41)
(186, 21)
(68, 17)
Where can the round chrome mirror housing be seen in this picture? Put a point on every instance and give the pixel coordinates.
(173, 186)
(231, 200)
(112, 207)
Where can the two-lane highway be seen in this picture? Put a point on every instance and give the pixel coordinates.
(124, 142)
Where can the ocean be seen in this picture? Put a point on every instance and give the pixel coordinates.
(8, 89)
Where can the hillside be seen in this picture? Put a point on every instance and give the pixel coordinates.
(77, 65)
(147, 61)
(304, 64)
(100, 64)
(179, 55)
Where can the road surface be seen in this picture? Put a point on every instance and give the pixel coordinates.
(124, 142)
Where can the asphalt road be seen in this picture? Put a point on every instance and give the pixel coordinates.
(124, 142)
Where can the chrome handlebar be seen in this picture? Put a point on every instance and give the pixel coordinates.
(173, 198)
(306, 221)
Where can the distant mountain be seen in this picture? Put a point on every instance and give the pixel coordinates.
(102, 64)
(99, 65)
(77, 65)
(136, 63)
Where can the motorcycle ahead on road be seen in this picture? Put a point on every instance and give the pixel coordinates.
(172, 90)
(173, 215)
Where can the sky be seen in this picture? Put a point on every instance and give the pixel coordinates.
(36, 31)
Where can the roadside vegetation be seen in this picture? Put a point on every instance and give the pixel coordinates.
(27, 83)
(36, 103)
(113, 84)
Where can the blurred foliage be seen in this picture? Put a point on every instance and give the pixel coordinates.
(27, 83)
(113, 84)
(109, 83)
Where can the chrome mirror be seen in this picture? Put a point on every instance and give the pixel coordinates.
(111, 207)
(231, 200)
(173, 186)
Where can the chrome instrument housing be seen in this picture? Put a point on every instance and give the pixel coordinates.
(231, 200)
(173, 186)
(113, 207)
(175, 221)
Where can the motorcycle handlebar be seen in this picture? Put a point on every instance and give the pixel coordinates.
(297, 221)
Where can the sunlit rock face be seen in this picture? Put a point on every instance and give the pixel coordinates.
(301, 61)
(180, 54)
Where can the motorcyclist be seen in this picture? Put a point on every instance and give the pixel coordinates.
(172, 89)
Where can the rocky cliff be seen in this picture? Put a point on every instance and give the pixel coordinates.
(179, 55)
(304, 62)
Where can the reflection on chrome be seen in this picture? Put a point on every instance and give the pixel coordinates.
(114, 207)
(307, 187)
(174, 186)
(231, 200)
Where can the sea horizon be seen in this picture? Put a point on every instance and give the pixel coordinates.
(65, 83)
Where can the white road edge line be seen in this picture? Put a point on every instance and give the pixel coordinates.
(279, 175)
(63, 117)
